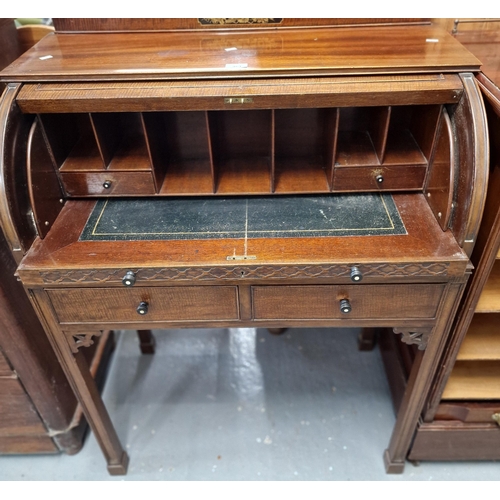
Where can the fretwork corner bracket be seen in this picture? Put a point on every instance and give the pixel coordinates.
(417, 337)
(81, 340)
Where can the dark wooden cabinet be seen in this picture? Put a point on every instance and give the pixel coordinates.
(265, 180)
(462, 414)
(38, 410)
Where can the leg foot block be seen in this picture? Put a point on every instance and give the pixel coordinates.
(119, 469)
(276, 331)
(147, 342)
(367, 339)
(392, 467)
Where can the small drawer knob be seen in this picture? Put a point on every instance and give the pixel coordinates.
(129, 278)
(356, 274)
(345, 306)
(142, 308)
(106, 184)
(379, 179)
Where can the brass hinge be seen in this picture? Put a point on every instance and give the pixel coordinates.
(241, 257)
(237, 100)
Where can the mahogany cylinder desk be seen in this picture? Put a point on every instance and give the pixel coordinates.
(267, 174)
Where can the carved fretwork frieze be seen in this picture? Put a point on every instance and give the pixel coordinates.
(383, 270)
(239, 20)
(77, 340)
(416, 336)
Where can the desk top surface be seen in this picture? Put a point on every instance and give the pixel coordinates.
(230, 54)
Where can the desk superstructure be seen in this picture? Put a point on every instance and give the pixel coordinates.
(316, 117)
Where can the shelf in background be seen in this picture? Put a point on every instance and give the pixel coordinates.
(482, 340)
(489, 301)
(474, 380)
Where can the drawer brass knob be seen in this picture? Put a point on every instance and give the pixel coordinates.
(129, 278)
(345, 306)
(379, 179)
(356, 274)
(106, 184)
(142, 308)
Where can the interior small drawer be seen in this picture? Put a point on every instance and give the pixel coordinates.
(116, 305)
(407, 177)
(108, 183)
(469, 411)
(364, 301)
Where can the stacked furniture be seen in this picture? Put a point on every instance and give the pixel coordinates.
(461, 420)
(38, 410)
(256, 173)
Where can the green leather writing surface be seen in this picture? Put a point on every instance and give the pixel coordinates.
(243, 217)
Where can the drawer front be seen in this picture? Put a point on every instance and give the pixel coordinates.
(17, 414)
(468, 411)
(186, 303)
(456, 441)
(366, 301)
(120, 183)
(408, 177)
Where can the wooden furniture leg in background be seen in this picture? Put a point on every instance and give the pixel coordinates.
(367, 339)
(276, 331)
(147, 342)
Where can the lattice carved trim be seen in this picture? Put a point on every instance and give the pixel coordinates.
(77, 340)
(419, 336)
(383, 270)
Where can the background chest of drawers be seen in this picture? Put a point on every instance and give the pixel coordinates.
(461, 417)
(38, 410)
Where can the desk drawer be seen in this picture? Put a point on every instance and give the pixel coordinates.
(115, 305)
(366, 301)
(119, 183)
(405, 177)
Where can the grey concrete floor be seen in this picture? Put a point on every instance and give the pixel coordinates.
(241, 404)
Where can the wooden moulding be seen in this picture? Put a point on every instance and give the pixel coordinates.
(82, 25)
